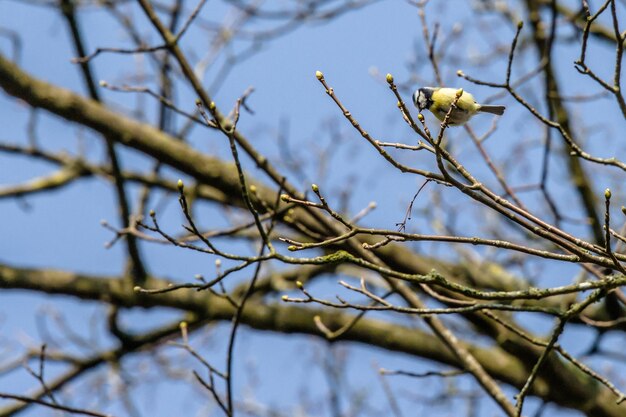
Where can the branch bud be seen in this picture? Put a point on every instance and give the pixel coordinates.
(607, 194)
(389, 78)
(180, 185)
(284, 197)
(319, 75)
(299, 284)
(315, 188)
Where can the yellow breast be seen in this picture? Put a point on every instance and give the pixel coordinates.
(443, 99)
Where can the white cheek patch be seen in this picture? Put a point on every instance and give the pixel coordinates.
(422, 100)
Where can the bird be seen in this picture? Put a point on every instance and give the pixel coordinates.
(439, 99)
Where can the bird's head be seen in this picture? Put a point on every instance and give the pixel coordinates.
(423, 98)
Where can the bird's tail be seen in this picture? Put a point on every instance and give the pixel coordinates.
(499, 110)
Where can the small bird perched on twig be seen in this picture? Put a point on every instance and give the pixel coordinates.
(438, 100)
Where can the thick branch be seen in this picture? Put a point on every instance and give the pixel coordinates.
(581, 393)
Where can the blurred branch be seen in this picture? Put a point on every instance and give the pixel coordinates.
(61, 178)
(136, 264)
(596, 29)
(134, 344)
(285, 318)
(32, 401)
